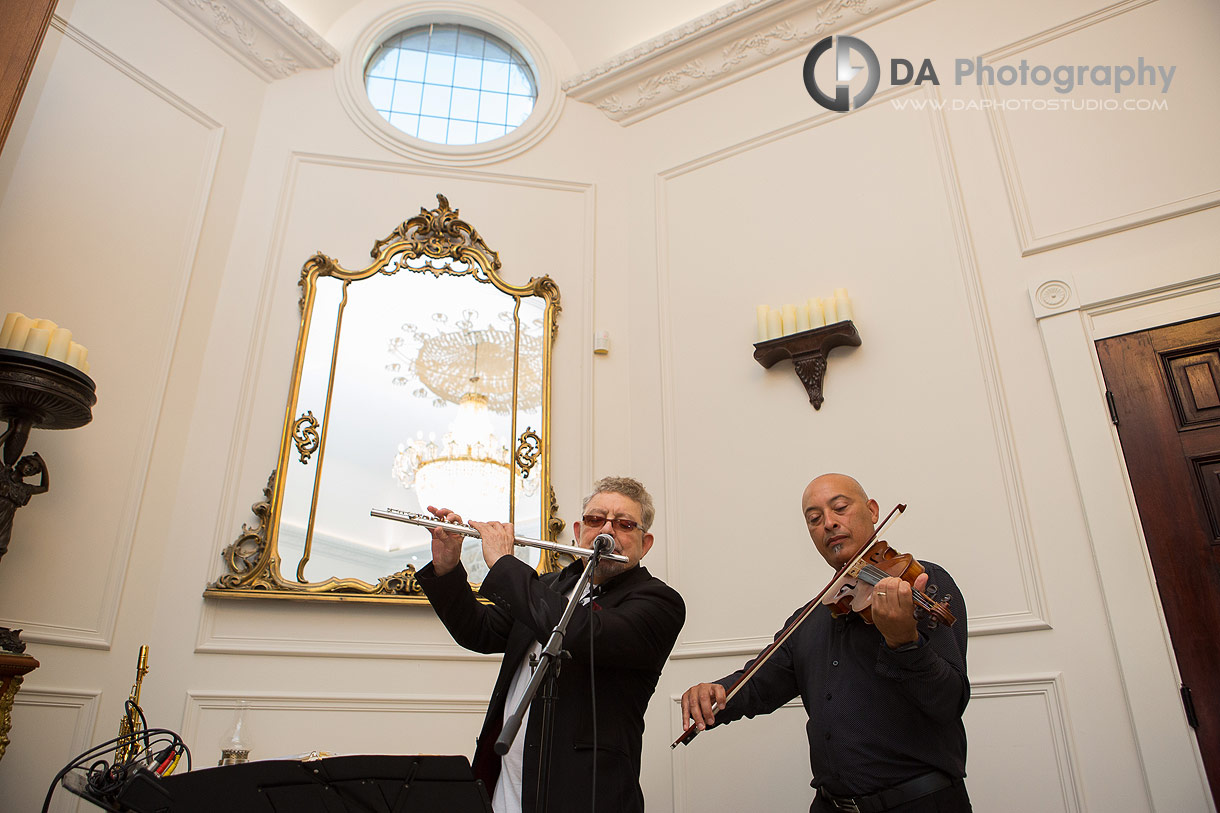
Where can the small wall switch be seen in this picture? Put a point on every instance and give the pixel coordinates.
(601, 343)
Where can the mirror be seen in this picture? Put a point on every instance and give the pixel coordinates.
(423, 379)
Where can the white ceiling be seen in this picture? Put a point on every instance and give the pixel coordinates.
(593, 31)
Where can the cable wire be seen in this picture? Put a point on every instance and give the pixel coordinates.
(593, 703)
(103, 780)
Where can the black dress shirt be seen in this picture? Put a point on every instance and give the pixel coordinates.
(877, 717)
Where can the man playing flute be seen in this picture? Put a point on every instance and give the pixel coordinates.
(884, 700)
(618, 643)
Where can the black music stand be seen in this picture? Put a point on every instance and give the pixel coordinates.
(349, 784)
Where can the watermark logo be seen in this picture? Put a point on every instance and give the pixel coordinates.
(1063, 79)
(844, 73)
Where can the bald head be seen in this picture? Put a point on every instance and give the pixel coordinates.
(835, 482)
(839, 516)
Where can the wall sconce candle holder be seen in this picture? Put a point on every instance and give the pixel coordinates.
(36, 392)
(808, 350)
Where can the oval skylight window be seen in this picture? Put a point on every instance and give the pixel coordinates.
(450, 84)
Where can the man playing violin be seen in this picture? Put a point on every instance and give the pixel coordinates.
(619, 643)
(885, 700)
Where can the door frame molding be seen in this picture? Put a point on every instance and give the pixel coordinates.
(1072, 313)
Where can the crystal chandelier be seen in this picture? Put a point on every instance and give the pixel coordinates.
(469, 467)
(451, 363)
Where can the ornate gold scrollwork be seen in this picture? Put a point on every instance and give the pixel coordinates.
(10, 686)
(546, 287)
(439, 233)
(246, 558)
(255, 568)
(554, 559)
(305, 435)
(529, 449)
(402, 583)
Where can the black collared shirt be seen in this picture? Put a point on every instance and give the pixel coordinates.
(877, 717)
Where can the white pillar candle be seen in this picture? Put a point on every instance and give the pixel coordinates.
(789, 319)
(774, 327)
(9, 320)
(842, 304)
(762, 311)
(74, 356)
(21, 332)
(828, 310)
(61, 341)
(37, 341)
(816, 319)
(45, 324)
(802, 318)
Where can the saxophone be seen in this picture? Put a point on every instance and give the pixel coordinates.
(131, 724)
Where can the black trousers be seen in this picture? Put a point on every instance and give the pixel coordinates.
(952, 799)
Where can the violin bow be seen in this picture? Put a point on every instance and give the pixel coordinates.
(690, 733)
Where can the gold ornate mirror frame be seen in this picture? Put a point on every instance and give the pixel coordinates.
(437, 243)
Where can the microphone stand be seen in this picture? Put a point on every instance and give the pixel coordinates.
(548, 658)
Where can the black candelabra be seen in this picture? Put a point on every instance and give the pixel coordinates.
(36, 392)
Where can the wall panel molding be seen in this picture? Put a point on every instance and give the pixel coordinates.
(84, 702)
(99, 633)
(719, 647)
(1031, 240)
(1034, 615)
(1049, 689)
(212, 640)
(681, 758)
(199, 702)
(320, 708)
(50, 727)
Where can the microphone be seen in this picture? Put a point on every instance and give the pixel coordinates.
(603, 543)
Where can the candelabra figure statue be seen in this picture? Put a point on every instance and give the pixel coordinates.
(16, 492)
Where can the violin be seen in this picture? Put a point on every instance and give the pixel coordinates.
(851, 590)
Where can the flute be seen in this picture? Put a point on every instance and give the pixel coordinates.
(432, 522)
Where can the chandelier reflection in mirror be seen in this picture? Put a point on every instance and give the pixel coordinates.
(472, 367)
(423, 379)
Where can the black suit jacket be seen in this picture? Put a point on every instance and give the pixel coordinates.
(633, 625)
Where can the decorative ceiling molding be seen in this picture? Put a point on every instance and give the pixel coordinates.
(725, 45)
(261, 34)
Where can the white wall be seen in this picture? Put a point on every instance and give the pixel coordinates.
(168, 196)
(121, 181)
(941, 224)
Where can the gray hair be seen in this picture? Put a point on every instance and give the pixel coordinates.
(630, 488)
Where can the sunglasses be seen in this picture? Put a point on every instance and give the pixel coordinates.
(596, 521)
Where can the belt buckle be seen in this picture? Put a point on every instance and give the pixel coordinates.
(847, 804)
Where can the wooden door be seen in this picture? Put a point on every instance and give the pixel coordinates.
(23, 23)
(1164, 391)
